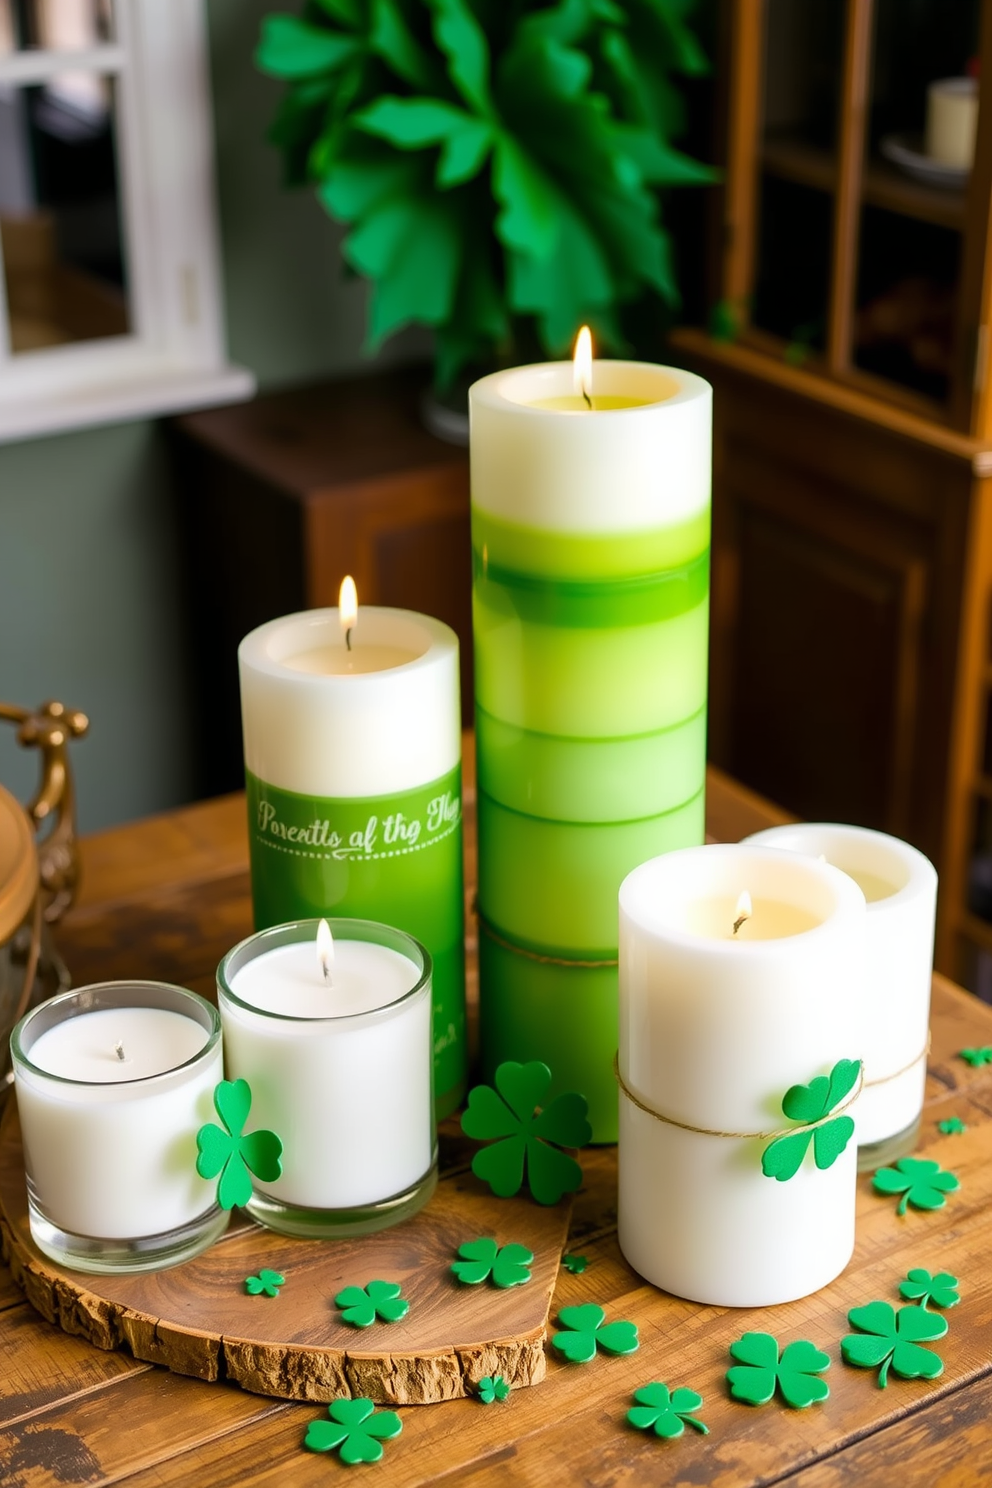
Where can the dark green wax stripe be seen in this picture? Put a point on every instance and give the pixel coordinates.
(594, 604)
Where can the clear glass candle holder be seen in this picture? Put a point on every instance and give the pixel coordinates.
(340, 1068)
(113, 1082)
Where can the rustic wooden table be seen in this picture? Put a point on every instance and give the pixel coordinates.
(165, 898)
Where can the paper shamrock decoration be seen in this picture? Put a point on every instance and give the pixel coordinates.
(230, 1153)
(266, 1282)
(492, 1387)
(920, 1286)
(356, 1427)
(951, 1126)
(584, 1330)
(360, 1306)
(529, 1138)
(576, 1264)
(921, 1182)
(760, 1371)
(666, 1414)
(892, 1340)
(976, 1057)
(506, 1265)
(808, 1104)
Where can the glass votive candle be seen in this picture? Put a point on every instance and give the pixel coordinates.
(113, 1082)
(337, 1050)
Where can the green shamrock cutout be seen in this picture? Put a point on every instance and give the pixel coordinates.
(231, 1154)
(267, 1282)
(976, 1057)
(530, 1138)
(666, 1414)
(584, 1332)
(576, 1264)
(356, 1427)
(506, 1265)
(892, 1339)
(492, 1387)
(921, 1287)
(760, 1370)
(921, 1182)
(807, 1104)
(952, 1126)
(362, 1305)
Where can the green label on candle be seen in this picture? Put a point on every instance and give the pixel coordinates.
(396, 859)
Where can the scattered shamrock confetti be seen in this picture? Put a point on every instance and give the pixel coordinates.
(920, 1286)
(976, 1057)
(362, 1305)
(267, 1282)
(921, 1182)
(952, 1126)
(356, 1427)
(506, 1265)
(574, 1263)
(892, 1339)
(529, 1136)
(667, 1414)
(584, 1331)
(492, 1387)
(760, 1370)
(230, 1153)
(807, 1104)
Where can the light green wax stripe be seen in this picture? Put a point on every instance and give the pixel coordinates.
(595, 604)
(590, 780)
(602, 555)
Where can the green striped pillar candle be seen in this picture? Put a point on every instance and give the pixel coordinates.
(353, 772)
(590, 535)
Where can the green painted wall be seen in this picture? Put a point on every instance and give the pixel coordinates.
(89, 573)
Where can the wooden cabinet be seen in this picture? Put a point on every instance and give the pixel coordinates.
(851, 660)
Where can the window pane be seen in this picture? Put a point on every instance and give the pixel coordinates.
(60, 213)
(56, 25)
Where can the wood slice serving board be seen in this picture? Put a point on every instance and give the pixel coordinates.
(198, 1320)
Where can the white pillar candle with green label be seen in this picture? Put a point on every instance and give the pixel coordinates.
(352, 739)
(590, 535)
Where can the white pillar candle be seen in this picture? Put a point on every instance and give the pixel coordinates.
(952, 121)
(113, 1082)
(339, 1068)
(352, 732)
(900, 885)
(714, 1029)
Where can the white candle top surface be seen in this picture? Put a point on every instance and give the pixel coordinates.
(888, 871)
(88, 1047)
(770, 919)
(289, 980)
(338, 661)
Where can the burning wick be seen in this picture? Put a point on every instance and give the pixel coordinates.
(325, 951)
(743, 911)
(582, 365)
(119, 1051)
(348, 607)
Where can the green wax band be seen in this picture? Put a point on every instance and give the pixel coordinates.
(599, 555)
(594, 604)
(396, 859)
(590, 780)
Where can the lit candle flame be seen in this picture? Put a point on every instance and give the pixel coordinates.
(582, 365)
(348, 607)
(325, 950)
(743, 911)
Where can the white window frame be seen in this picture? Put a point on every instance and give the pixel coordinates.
(174, 357)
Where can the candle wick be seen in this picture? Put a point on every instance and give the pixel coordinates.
(740, 921)
(119, 1051)
(327, 973)
(347, 637)
(587, 398)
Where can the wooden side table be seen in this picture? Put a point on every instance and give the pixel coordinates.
(281, 497)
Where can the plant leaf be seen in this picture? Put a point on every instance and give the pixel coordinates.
(528, 219)
(348, 12)
(391, 39)
(289, 48)
(461, 38)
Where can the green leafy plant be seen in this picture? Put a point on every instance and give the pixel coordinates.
(761, 1370)
(922, 1183)
(356, 1427)
(529, 1136)
(360, 1306)
(495, 164)
(235, 1156)
(575, 1264)
(666, 1414)
(951, 1126)
(492, 1387)
(809, 1104)
(976, 1057)
(584, 1329)
(266, 1282)
(507, 1265)
(891, 1340)
(920, 1286)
